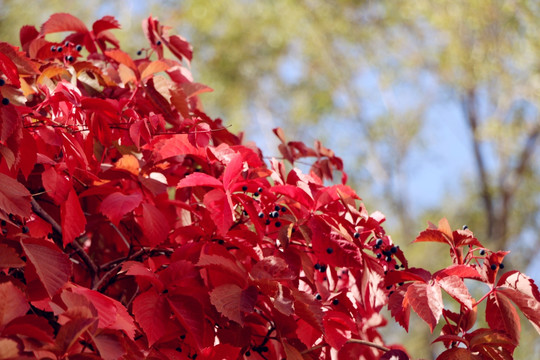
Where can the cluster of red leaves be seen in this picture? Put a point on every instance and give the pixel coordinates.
(134, 226)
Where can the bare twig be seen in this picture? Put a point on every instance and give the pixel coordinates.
(58, 229)
(355, 341)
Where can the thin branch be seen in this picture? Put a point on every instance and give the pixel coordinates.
(58, 229)
(469, 104)
(355, 341)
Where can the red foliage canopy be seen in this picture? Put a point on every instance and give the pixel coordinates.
(135, 226)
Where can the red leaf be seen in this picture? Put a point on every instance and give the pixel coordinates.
(232, 171)
(152, 313)
(154, 224)
(410, 274)
(232, 301)
(426, 301)
(294, 193)
(272, 268)
(122, 58)
(394, 354)
(8, 68)
(502, 315)
(56, 184)
(9, 257)
(455, 287)
(31, 326)
(220, 352)
(13, 304)
(52, 266)
(105, 23)
(199, 179)
(433, 236)
(219, 206)
(63, 22)
(458, 353)
(520, 282)
(190, 314)
(529, 306)
(14, 197)
(462, 271)
(180, 47)
(112, 314)
(109, 345)
(338, 328)
(193, 89)
(153, 68)
(73, 219)
(399, 306)
(117, 204)
(10, 124)
(70, 332)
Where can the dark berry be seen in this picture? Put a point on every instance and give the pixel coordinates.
(391, 292)
(139, 53)
(267, 222)
(401, 283)
(318, 297)
(329, 250)
(247, 353)
(194, 356)
(323, 268)
(179, 349)
(182, 336)
(69, 58)
(261, 215)
(393, 250)
(493, 266)
(255, 194)
(165, 291)
(388, 287)
(501, 266)
(67, 43)
(158, 42)
(25, 229)
(221, 242)
(283, 209)
(277, 208)
(59, 49)
(465, 227)
(356, 235)
(244, 188)
(277, 224)
(388, 258)
(3, 223)
(5, 101)
(335, 302)
(396, 266)
(376, 247)
(482, 252)
(53, 48)
(379, 242)
(274, 214)
(379, 255)
(260, 189)
(402, 266)
(2, 82)
(317, 266)
(78, 47)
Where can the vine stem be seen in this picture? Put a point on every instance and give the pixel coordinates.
(58, 229)
(355, 341)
